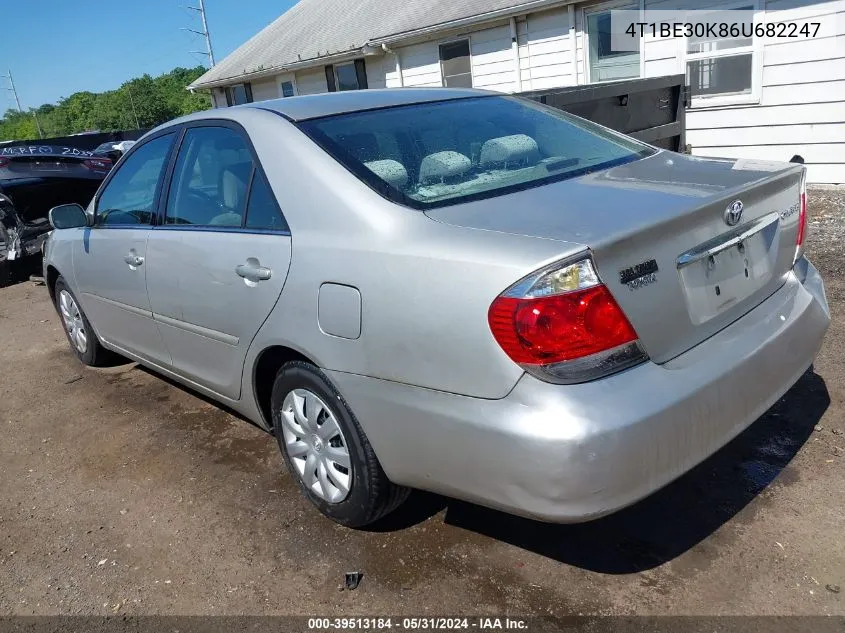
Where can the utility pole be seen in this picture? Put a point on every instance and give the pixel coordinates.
(209, 51)
(132, 103)
(18, 101)
(13, 91)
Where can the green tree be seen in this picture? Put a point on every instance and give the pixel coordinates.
(153, 100)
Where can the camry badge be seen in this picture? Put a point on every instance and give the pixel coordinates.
(641, 275)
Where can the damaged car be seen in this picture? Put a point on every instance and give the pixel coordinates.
(113, 150)
(33, 179)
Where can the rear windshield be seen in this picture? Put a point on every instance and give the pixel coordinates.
(435, 154)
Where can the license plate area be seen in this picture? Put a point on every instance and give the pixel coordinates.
(49, 166)
(723, 272)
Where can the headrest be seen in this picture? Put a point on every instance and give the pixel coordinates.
(391, 171)
(241, 171)
(509, 149)
(442, 165)
(228, 142)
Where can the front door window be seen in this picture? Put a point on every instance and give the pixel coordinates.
(129, 196)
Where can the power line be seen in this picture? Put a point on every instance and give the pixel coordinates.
(209, 50)
(18, 101)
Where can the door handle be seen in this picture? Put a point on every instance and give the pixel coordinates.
(133, 259)
(252, 271)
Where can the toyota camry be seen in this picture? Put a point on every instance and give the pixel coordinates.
(451, 290)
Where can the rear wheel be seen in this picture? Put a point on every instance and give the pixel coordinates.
(326, 450)
(83, 342)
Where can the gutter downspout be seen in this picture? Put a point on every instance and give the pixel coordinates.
(515, 51)
(390, 51)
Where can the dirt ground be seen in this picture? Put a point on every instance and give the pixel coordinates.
(123, 493)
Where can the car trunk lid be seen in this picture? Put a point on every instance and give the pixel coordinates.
(662, 238)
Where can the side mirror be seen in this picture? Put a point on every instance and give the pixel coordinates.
(68, 216)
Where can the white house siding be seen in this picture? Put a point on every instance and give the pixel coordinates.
(391, 76)
(802, 102)
(545, 59)
(580, 40)
(802, 94)
(662, 56)
(420, 65)
(545, 50)
(376, 70)
(311, 82)
(265, 89)
(218, 97)
(493, 63)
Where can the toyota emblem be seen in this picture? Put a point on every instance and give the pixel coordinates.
(733, 214)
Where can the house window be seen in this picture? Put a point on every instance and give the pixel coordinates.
(348, 76)
(605, 63)
(238, 94)
(721, 71)
(287, 89)
(456, 64)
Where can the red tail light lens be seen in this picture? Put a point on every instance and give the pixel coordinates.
(97, 164)
(560, 327)
(802, 218)
(4, 162)
(574, 331)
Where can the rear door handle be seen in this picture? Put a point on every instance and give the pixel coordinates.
(133, 259)
(252, 271)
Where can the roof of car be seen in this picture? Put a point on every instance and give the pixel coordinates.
(327, 104)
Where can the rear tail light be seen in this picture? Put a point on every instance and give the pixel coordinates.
(4, 162)
(97, 164)
(562, 325)
(802, 218)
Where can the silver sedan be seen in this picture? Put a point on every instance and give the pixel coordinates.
(450, 290)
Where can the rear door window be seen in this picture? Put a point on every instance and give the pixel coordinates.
(130, 195)
(211, 179)
(262, 211)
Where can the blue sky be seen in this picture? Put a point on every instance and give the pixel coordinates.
(57, 47)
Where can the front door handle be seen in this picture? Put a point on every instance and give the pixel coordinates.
(133, 259)
(252, 271)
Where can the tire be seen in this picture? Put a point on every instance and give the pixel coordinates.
(92, 354)
(309, 444)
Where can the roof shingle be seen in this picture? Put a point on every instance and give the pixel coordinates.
(313, 29)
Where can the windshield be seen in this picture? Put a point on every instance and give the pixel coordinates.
(435, 154)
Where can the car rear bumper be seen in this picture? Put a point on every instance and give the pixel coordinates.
(575, 452)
